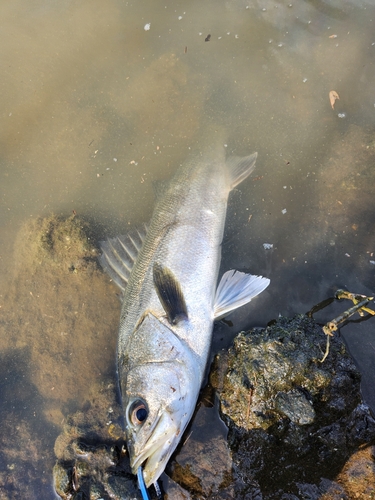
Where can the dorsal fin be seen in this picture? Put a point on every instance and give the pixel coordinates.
(240, 168)
(120, 253)
(170, 294)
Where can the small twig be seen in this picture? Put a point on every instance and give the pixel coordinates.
(332, 326)
(327, 349)
(187, 439)
(356, 299)
(360, 303)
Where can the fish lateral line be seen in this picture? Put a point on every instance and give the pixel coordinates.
(166, 362)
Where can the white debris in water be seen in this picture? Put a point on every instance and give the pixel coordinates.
(372, 262)
(147, 26)
(342, 115)
(114, 159)
(236, 36)
(267, 246)
(179, 18)
(280, 44)
(283, 211)
(304, 80)
(347, 255)
(285, 187)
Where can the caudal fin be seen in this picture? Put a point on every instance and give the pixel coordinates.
(235, 290)
(240, 168)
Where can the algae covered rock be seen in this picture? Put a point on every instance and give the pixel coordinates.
(293, 420)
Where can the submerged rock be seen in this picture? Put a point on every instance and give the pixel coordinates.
(203, 463)
(92, 462)
(292, 419)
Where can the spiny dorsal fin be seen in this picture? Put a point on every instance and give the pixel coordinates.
(120, 253)
(240, 168)
(235, 290)
(170, 294)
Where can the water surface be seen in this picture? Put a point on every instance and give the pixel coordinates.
(95, 108)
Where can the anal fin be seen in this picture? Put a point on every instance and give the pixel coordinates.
(235, 290)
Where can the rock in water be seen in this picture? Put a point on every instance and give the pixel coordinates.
(293, 420)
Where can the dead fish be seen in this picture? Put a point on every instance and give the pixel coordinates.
(168, 273)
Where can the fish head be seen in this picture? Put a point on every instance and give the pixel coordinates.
(160, 381)
(158, 404)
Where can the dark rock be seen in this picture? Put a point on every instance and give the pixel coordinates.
(196, 467)
(92, 462)
(292, 419)
(295, 405)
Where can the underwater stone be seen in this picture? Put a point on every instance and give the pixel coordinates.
(293, 421)
(295, 406)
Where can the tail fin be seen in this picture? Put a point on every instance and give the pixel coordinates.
(240, 168)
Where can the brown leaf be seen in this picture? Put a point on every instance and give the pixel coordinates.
(333, 95)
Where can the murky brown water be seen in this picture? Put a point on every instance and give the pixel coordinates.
(95, 108)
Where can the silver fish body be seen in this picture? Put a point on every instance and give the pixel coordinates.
(170, 304)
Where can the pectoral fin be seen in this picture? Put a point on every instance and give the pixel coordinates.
(170, 294)
(235, 290)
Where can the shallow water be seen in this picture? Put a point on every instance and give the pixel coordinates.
(96, 108)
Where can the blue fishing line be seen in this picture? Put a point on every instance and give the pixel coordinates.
(141, 484)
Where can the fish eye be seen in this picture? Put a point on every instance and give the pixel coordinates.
(138, 412)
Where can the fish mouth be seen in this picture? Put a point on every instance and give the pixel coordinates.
(154, 454)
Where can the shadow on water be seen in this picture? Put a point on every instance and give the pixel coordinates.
(27, 437)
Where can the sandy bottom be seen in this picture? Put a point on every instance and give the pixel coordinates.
(58, 334)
